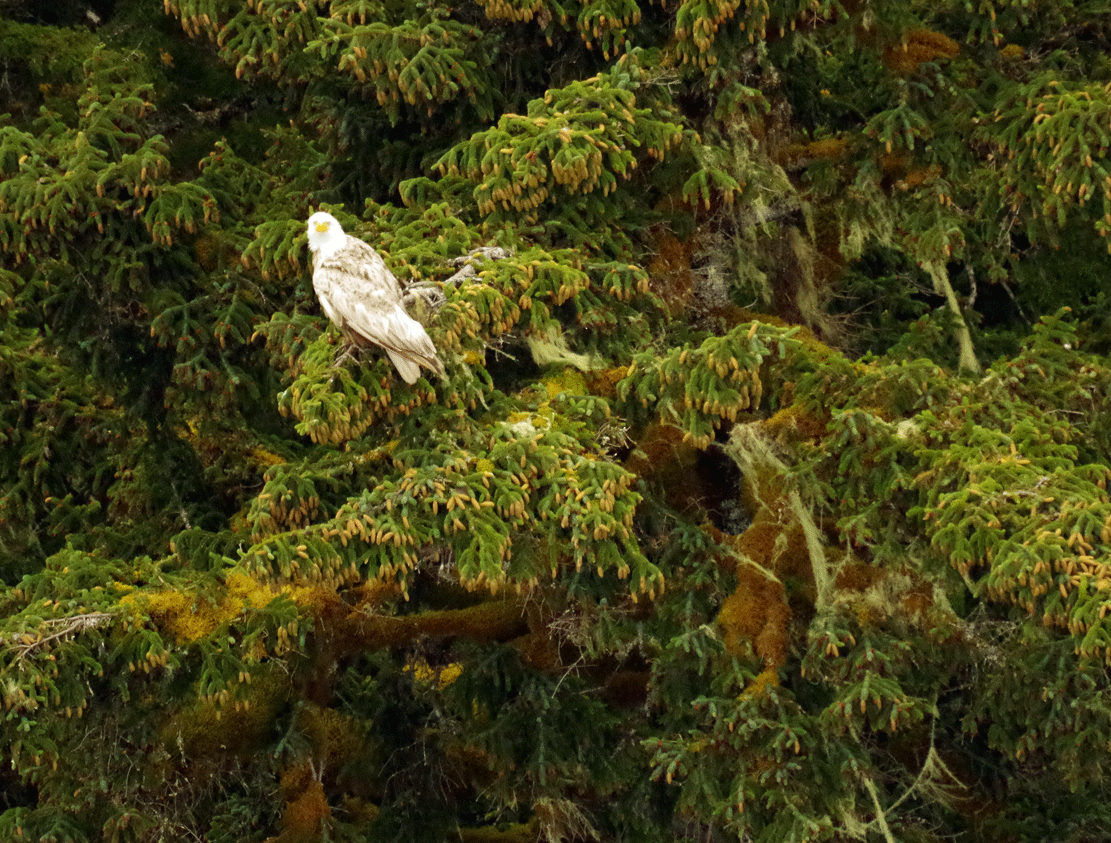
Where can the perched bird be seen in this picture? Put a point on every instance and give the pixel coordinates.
(363, 298)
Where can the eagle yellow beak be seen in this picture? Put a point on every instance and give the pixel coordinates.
(322, 227)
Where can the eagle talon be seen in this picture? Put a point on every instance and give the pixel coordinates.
(345, 353)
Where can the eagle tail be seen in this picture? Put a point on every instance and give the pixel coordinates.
(408, 364)
(409, 346)
(408, 370)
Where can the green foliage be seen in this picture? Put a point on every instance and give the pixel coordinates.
(424, 62)
(658, 558)
(578, 139)
(1054, 135)
(699, 389)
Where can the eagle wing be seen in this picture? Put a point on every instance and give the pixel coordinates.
(362, 297)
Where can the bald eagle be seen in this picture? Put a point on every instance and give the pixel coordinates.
(363, 298)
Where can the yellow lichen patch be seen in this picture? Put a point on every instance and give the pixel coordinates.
(603, 382)
(565, 380)
(826, 147)
(439, 676)
(799, 153)
(188, 618)
(921, 45)
(320, 601)
(170, 611)
(265, 457)
(793, 424)
(767, 678)
(494, 620)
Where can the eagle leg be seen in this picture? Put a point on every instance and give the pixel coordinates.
(348, 350)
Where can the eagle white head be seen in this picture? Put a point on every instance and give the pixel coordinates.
(326, 236)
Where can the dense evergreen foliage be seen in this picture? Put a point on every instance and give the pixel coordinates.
(766, 495)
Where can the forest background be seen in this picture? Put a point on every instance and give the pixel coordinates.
(765, 496)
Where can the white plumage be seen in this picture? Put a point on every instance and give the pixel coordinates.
(363, 298)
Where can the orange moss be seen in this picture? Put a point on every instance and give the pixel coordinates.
(207, 251)
(917, 601)
(604, 382)
(897, 597)
(670, 271)
(362, 812)
(921, 45)
(335, 738)
(519, 833)
(824, 148)
(539, 650)
(754, 618)
(306, 807)
(663, 457)
(919, 177)
(895, 164)
(856, 576)
(494, 620)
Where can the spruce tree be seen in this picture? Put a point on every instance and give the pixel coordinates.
(765, 497)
